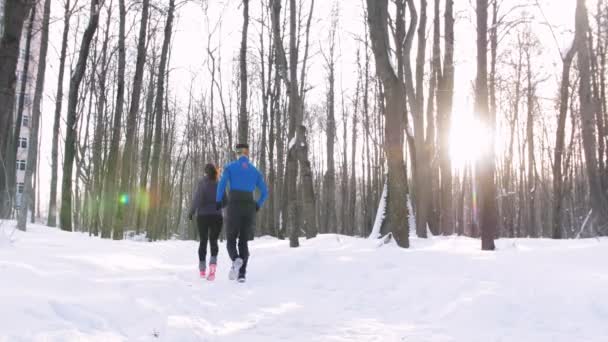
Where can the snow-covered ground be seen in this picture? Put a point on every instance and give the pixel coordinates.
(57, 286)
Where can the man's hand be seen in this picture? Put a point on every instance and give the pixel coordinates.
(218, 205)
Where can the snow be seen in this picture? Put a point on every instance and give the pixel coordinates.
(59, 286)
(380, 215)
(292, 143)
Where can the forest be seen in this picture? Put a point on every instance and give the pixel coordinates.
(356, 113)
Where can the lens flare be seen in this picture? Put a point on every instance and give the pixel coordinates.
(143, 200)
(468, 140)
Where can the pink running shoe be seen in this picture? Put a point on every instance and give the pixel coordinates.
(203, 275)
(211, 276)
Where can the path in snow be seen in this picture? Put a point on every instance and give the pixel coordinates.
(58, 286)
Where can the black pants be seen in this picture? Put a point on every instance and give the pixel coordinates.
(241, 218)
(209, 228)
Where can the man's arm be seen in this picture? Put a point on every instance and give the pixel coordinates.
(221, 187)
(263, 190)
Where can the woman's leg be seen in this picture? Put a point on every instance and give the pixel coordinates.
(203, 231)
(214, 234)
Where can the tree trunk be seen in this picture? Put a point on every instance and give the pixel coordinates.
(328, 212)
(530, 140)
(369, 202)
(298, 146)
(99, 134)
(32, 155)
(15, 12)
(65, 216)
(559, 144)
(243, 130)
(148, 131)
(52, 215)
(510, 175)
(343, 227)
(423, 192)
(267, 219)
(485, 165)
(155, 188)
(397, 213)
(444, 104)
(110, 202)
(129, 150)
(599, 203)
(352, 194)
(13, 145)
(431, 126)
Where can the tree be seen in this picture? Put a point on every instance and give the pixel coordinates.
(15, 13)
(110, 202)
(129, 150)
(13, 146)
(297, 152)
(328, 211)
(397, 213)
(155, 184)
(560, 142)
(243, 129)
(599, 204)
(65, 216)
(52, 215)
(33, 145)
(485, 165)
(352, 195)
(444, 104)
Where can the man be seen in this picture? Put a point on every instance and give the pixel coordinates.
(244, 178)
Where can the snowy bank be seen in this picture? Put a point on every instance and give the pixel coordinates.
(59, 286)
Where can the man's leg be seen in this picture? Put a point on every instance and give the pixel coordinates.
(244, 253)
(232, 232)
(245, 234)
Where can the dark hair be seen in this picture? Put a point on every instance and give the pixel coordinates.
(211, 171)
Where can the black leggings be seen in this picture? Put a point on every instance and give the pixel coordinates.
(209, 228)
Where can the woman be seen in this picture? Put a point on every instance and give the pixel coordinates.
(208, 219)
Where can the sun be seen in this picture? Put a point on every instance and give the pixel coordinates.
(468, 137)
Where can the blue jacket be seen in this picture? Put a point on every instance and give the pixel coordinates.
(242, 176)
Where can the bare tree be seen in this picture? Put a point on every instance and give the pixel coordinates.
(397, 213)
(599, 203)
(485, 165)
(155, 183)
(15, 13)
(65, 216)
(243, 129)
(110, 202)
(52, 215)
(13, 145)
(33, 146)
(297, 154)
(352, 194)
(328, 210)
(560, 142)
(129, 150)
(444, 104)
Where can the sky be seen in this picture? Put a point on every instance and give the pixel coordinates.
(190, 44)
